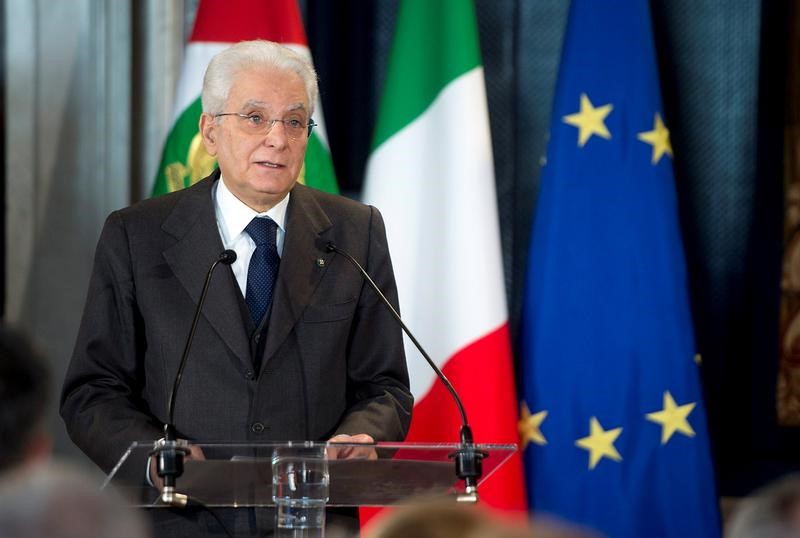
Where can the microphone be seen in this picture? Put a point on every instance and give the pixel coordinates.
(468, 459)
(170, 455)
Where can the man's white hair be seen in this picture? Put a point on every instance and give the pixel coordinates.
(224, 67)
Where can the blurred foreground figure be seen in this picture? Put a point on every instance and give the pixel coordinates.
(52, 501)
(445, 519)
(24, 389)
(772, 512)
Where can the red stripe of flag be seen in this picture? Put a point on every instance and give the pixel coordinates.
(483, 376)
(231, 21)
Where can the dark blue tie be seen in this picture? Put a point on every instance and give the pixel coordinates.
(263, 266)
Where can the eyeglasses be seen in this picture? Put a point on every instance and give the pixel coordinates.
(258, 124)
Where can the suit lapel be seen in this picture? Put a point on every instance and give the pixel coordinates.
(193, 223)
(300, 271)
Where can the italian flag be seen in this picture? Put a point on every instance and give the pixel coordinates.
(431, 174)
(219, 24)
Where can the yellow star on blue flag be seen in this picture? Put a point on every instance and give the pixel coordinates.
(658, 137)
(673, 418)
(590, 120)
(530, 426)
(600, 443)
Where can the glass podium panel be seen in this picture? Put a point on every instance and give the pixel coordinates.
(240, 475)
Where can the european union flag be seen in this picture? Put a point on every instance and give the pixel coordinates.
(612, 419)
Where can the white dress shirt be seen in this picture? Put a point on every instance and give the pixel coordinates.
(233, 216)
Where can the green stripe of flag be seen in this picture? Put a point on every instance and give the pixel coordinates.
(319, 171)
(431, 48)
(175, 171)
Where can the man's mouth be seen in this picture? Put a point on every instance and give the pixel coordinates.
(269, 164)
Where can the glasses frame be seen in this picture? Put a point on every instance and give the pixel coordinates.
(310, 125)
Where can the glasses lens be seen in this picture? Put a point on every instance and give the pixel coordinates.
(294, 128)
(258, 124)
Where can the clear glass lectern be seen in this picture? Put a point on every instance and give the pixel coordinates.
(241, 475)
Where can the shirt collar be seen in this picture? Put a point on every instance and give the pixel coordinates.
(234, 215)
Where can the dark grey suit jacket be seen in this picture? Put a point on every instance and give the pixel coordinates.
(333, 360)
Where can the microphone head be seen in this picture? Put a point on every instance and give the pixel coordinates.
(228, 256)
(330, 247)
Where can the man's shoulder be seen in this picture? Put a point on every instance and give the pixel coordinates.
(160, 207)
(331, 203)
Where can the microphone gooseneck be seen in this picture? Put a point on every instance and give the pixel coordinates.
(468, 459)
(170, 454)
(227, 257)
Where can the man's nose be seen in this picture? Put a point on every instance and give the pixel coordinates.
(276, 135)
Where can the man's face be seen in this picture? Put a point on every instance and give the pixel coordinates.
(259, 168)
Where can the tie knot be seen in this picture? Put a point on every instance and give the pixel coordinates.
(262, 230)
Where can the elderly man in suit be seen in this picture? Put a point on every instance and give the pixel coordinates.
(292, 344)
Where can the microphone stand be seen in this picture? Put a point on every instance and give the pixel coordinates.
(468, 458)
(169, 451)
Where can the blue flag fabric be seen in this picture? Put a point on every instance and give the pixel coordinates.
(613, 426)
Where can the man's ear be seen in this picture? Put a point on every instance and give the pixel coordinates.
(208, 130)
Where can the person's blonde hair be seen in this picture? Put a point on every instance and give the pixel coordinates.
(446, 519)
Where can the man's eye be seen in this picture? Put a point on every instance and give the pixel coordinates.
(255, 119)
(294, 124)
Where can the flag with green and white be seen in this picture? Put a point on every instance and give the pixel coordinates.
(218, 25)
(431, 174)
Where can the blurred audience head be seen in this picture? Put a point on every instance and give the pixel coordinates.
(447, 519)
(24, 390)
(772, 512)
(53, 501)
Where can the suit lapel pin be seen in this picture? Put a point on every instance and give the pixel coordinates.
(320, 262)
